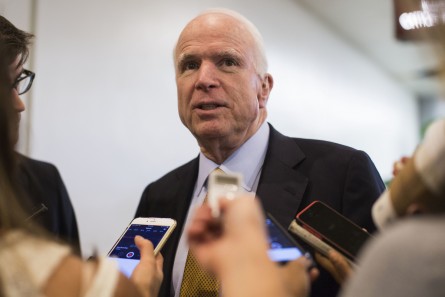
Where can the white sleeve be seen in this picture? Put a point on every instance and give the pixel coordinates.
(105, 279)
(429, 163)
(383, 212)
(430, 158)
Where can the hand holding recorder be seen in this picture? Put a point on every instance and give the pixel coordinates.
(235, 247)
(282, 247)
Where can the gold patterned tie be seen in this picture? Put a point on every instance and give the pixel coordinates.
(197, 282)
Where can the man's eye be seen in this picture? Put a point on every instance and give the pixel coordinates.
(229, 62)
(189, 66)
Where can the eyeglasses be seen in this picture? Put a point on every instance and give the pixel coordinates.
(24, 82)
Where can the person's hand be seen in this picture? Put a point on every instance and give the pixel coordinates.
(296, 278)
(214, 240)
(398, 165)
(148, 273)
(336, 265)
(234, 247)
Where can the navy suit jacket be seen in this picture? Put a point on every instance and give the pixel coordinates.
(295, 173)
(45, 198)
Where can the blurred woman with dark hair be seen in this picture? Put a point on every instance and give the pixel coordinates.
(33, 265)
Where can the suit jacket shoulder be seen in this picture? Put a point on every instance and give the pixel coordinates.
(298, 171)
(46, 198)
(174, 188)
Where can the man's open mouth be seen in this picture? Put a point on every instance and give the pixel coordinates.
(209, 106)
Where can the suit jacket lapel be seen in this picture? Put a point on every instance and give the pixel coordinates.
(186, 180)
(282, 186)
(175, 204)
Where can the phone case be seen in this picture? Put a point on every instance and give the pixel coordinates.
(333, 228)
(318, 244)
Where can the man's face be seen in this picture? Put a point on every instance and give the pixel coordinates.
(220, 93)
(14, 71)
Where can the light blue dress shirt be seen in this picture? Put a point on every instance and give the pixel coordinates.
(247, 160)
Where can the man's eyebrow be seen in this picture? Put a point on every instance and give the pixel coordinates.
(228, 53)
(185, 57)
(224, 53)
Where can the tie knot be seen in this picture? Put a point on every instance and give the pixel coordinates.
(218, 170)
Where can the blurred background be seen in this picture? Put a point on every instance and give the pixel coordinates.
(103, 105)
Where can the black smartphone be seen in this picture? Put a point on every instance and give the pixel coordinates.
(334, 228)
(283, 248)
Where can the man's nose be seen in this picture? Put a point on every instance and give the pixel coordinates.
(207, 77)
(18, 104)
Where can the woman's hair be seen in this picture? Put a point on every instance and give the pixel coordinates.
(15, 42)
(11, 214)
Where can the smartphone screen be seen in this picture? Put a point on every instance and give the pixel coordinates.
(333, 227)
(126, 253)
(282, 247)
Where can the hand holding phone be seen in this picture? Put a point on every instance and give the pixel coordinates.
(308, 237)
(332, 228)
(125, 251)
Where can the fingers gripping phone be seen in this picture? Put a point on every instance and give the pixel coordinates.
(332, 228)
(125, 251)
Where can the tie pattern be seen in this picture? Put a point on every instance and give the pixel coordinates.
(197, 282)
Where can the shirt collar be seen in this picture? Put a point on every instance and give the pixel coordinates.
(247, 160)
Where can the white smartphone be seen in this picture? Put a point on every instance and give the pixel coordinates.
(125, 251)
(222, 185)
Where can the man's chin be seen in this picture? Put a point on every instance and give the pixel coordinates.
(210, 132)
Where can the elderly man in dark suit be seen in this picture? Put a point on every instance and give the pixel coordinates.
(223, 88)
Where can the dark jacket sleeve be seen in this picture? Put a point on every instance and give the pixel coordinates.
(363, 185)
(46, 199)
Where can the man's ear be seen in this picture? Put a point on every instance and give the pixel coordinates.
(264, 92)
